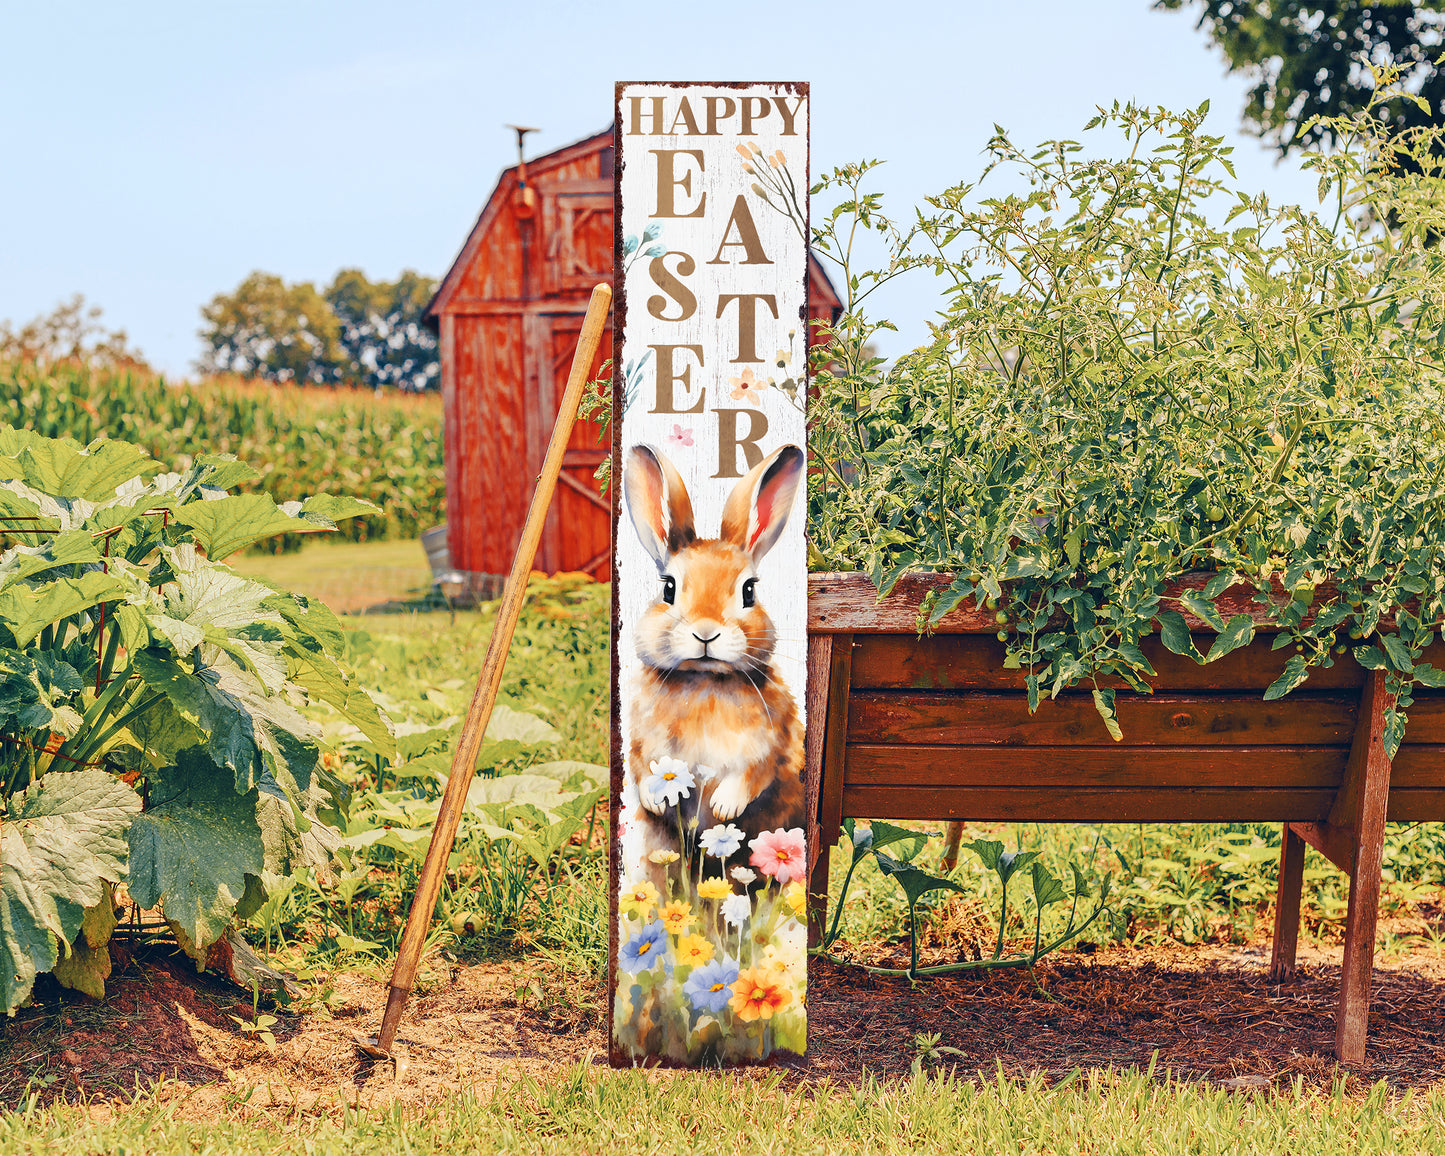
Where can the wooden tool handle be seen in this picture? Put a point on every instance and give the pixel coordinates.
(464, 758)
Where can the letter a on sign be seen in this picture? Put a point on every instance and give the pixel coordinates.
(709, 866)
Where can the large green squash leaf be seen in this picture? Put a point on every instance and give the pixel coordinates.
(26, 611)
(246, 731)
(64, 839)
(34, 689)
(64, 550)
(325, 510)
(86, 966)
(61, 466)
(291, 839)
(230, 524)
(507, 724)
(191, 852)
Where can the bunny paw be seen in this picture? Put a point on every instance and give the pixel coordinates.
(730, 798)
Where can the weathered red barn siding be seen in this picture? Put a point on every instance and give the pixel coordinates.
(509, 312)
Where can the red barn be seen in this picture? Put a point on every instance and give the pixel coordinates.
(509, 312)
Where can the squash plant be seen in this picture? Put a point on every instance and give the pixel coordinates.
(1140, 371)
(150, 729)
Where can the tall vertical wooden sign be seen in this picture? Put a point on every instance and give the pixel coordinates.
(709, 935)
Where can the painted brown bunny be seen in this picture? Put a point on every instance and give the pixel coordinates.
(707, 695)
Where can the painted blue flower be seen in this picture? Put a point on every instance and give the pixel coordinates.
(709, 987)
(722, 841)
(642, 951)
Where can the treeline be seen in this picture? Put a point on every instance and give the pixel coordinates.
(354, 331)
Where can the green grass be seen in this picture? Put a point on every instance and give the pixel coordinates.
(587, 1111)
(349, 577)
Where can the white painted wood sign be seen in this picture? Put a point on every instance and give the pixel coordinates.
(709, 933)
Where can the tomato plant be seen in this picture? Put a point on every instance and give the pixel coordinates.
(1139, 371)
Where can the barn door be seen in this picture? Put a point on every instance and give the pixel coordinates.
(578, 535)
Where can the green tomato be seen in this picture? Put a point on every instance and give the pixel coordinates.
(1001, 617)
(1216, 513)
(1002, 635)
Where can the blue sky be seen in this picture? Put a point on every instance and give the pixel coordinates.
(158, 152)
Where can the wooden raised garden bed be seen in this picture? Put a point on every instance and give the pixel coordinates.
(903, 727)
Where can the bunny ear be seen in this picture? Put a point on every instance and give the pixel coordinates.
(658, 502)
(759, 505)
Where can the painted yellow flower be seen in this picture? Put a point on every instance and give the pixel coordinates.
(714, 889)
(693, 950)
(757, 152)
(677, 916)
(662, 858)
(785, 955)
(743, 152)
(758, 993)
(778, 159)
(796, 897)
(639, 899)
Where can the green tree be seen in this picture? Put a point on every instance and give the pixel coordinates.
(383, 335)
(70, 332)
(1308, 59)
(272, 330)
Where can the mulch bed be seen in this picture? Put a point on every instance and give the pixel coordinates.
(1209, 1013)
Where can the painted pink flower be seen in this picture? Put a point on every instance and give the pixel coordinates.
(780, 854)
(679, 437)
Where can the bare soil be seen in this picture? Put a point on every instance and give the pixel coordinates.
(1209, 1013)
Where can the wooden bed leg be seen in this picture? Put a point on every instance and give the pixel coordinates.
(1369, 793)
(831, 658)
(820, 663)
(1287, 905)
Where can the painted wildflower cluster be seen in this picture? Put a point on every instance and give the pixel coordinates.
(712, 940)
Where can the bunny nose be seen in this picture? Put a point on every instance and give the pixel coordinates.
(705, 641)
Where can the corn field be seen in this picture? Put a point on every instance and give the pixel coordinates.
(386, 448)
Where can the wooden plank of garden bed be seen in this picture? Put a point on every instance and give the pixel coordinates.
(1089, 804)
(951, 768)
(1407, 805)
(1147, 720)
(972, 661)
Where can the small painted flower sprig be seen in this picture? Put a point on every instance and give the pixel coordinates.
(774, 185)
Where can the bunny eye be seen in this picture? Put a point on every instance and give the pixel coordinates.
(748, 592)
(669, 589)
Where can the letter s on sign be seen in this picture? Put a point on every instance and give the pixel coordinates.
(680, 293)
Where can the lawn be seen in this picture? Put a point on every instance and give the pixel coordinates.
(349, 577)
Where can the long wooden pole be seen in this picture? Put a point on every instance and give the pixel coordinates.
(464, 758)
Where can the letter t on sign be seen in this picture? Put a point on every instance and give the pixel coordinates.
(708, 798)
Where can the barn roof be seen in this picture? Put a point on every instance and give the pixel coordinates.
(501, 195)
